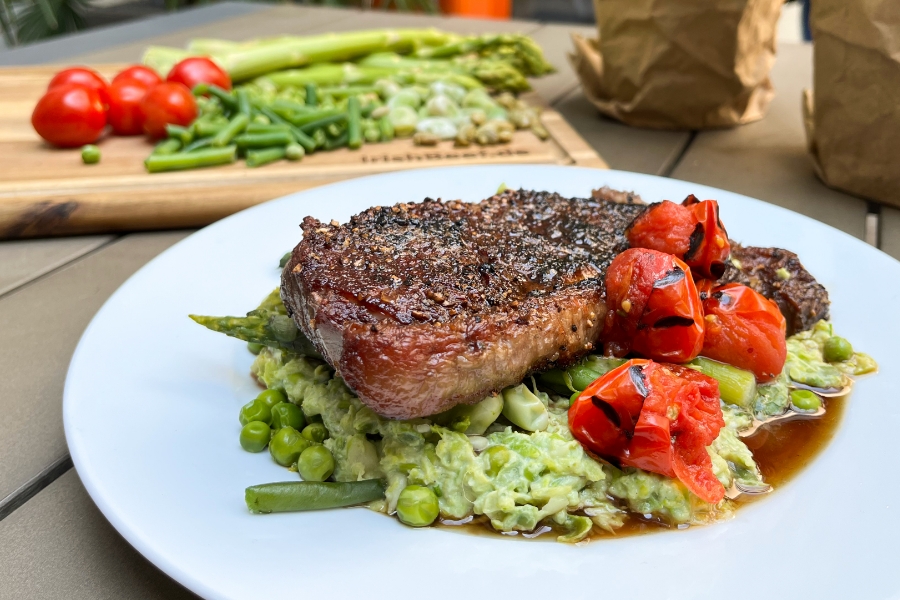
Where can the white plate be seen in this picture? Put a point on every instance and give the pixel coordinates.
(151, 405)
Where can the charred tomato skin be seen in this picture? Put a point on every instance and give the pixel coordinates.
(692, 231)
(745, 329)
(654, 307)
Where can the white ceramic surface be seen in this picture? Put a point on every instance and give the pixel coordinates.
(151, 404)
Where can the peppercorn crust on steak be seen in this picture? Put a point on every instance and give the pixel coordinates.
(420, 307)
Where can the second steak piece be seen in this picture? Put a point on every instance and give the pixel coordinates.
(420, 307)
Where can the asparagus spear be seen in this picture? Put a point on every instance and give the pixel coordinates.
(268, 325)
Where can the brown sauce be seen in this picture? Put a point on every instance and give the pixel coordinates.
(781, 450)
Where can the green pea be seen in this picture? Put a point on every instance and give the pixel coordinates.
(256, 410)
(255, 436)
(315, 464)
(272, 397)
(90, 154)
(315, 432)
(497, 457)
(286, 445)
(254, 348)
(417, 506)
(837, 349)
(286, 414)
(806, 400)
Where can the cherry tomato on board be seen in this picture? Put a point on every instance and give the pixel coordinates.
(69, 115)
(198, 69)
(84, 77)
(124, 114)
(745, 329)
(140, 74)
(655, 417)
(167, 103)
(654, 307)
(691, 231)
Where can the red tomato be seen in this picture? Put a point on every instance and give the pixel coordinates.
(655, 417)
(84, 77)
(124, 114)
(192, 71)
(691, 231)
(745, 329)
(167, 103)
(654, 308)
(140, 74)
(69, 116)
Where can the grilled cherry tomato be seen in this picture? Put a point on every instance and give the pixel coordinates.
(124, 114)
(192, 71)
(84, 77)
(139, 74)
(691, 231)
(654, 308)
(745, 329)
(655, 417)
(69, 116)
(167, 103)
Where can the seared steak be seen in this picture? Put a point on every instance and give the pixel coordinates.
(803, 300)
(420, 307)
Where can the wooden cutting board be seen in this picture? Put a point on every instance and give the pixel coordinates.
(46, 191)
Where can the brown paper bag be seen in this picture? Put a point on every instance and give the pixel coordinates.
(853, 119)
(680, 64)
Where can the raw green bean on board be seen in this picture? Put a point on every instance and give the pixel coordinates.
(312, 96)
(157, 163)
(339, 117)
(303, 139)
(264, 156)
(260, 128)
(198, 144)
(243, 102)
(263, 140)
(168, 146)
(387, 129)
(227, 100)
(236, 125)
(208, 128)
(338, 142)
(288, 496)
(354, 125)
(183, 134)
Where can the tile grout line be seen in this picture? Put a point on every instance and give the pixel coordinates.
(57, 268)
(34, 485)
(672, 163)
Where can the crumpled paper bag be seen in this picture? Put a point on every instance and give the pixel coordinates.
(853, 118)
(680, 64)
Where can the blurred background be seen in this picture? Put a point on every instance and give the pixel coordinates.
(27, 21)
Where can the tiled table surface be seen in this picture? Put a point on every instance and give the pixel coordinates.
(54, 543)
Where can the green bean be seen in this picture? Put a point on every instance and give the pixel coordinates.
(255, 436)
(324, 122)
(347, 91)
(227, 100)
(263, 140)
(264, 156)
(168, 146)
(736, 386)
(254, 348)
(184, 134)
(387, 129)
(260, 128)
(243, 102)
(235, 126)
(301, 119)
(320, 138)
(312, 96)
(304, 140)
(201, 89)
(283, 104)
(338, 142)
(291, 496)
(556, 380)
(315, 464)
(156, 163)
(354, 126)
(334, 130)
(583, 376)
(272, 397)
(208, 128)
(90, 154)
(286, 414)
(837, 349)
(417, 506)
(197, 144)
(294, 152)
(315, 432)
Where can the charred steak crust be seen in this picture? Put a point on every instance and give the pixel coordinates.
(803, 300)
(423, 306)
